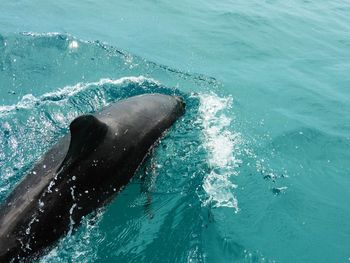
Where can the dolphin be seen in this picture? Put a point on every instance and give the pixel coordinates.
(82, 172)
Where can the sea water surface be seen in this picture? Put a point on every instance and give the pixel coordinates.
(258, 168)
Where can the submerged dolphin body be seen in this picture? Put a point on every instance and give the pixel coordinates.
(81, 172)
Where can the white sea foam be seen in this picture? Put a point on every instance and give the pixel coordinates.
(28, 101)
(36, 34)
(222, 147)
(73, 44)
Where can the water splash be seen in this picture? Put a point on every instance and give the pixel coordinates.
(222, 145)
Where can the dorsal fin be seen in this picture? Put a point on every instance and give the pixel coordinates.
(86, 133)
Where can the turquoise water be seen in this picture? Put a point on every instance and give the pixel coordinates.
(256, 171)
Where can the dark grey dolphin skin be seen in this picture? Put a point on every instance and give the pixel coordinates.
(83, 171)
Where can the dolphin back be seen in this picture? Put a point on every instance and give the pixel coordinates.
(83, 171)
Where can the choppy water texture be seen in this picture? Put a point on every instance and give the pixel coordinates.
(256, 171)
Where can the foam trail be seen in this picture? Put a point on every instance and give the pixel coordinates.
(222, 146)
(28, 101)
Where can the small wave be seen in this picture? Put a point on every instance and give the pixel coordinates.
(29, 100)
(222, 146)
(36, 34)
